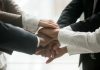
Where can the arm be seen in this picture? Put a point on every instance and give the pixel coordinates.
(90, 24)
(14, 38)
(71, 13)
(80, 42)
(14, 19)
(26, 21)
(11, 7)
(76, 42)
(18, 18)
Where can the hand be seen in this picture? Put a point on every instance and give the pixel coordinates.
(48, 50)
(43, 51)
(48, 24)
(59, 52)
(52, 51)
(44, 40)
(53, 33)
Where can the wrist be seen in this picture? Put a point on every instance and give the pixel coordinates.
(65, 49)
(42, 42)
(30, 23)
(56, 34)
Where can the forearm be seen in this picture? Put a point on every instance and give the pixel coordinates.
(80, 42)
(71, 13)
(14, 19)
(89, 24)
(25, 21)
(17, 39)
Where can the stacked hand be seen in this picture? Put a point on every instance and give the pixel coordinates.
(48, 24)
(49, 44)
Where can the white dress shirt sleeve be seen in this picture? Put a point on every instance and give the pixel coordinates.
(80, 42)
(30, 23)
(68, 28)
(65, 28)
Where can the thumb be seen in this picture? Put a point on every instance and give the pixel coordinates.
(45, 31)
(48, 25)
(49, 60)
(51, 25)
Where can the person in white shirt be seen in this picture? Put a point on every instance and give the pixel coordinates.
(91, 21)
(72, 42)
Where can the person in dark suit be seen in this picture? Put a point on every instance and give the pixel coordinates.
(12, 30)
(71, 13)
(91, 22)
(13, 24)
(6, 6)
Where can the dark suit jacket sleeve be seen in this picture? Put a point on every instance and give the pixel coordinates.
(90, 24)
(71, 13)
(10, 13)
(11, 7)
(11, 18)
(14, 38)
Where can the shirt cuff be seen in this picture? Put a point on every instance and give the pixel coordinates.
(38, 44)
(64, 38)
(71, 40)
(68, 28)
(65, 28)
(30, 23)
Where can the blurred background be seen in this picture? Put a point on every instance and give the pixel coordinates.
(44, 9)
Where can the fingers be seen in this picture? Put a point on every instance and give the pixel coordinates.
(53, 33)
(51, 51)
(40, 34)
(44, 40)
(56, 48)
(39, 52)
(48, 23)
(54, 52)
(45, 51)
(49, 60)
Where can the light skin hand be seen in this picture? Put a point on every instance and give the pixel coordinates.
(45, 45)
(44, 40)
(43, 50)
(59, 52)
(52, 51)
(49, 48)
(48, 51)
(53, 33)
(48, 24)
